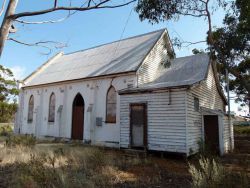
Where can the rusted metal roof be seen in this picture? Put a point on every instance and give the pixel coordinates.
(113, 58)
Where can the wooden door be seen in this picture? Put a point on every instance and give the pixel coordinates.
(138, 125)
(211, 128)
(77, 118)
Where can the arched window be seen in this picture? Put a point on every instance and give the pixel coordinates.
(52, 108)
(30, 109)
(111, 105)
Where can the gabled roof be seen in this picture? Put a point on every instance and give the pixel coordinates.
(183, 72)
(113, 58)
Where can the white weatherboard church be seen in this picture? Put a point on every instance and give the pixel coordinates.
(132, 93)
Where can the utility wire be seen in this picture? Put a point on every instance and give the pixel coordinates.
(123, 31)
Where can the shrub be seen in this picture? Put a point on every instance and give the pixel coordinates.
(6, 130)
(210, 173)
(17, 140)
(242, 130)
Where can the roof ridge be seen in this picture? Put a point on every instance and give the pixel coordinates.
(163, 29)
(192, 55)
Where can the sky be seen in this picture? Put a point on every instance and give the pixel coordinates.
(92, 28)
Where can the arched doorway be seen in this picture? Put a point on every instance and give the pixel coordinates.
(77, 118)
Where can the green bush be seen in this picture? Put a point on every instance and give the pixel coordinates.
(242, 130)
(6, 130)
(23, 140)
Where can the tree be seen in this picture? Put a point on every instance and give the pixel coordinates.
(232, 49)
(161, 10)
(8, 93)
(229, 45)
(11, 17)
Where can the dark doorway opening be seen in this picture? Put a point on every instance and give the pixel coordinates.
(211, 129)
(77, 118)
(138, 126)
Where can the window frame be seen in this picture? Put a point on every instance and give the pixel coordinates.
(196, 101)
(30, 109)
(50, 120)
(106, 115)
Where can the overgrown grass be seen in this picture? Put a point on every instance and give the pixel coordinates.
(67, 166)
(20, 140)
(210, 173)
(242, 130)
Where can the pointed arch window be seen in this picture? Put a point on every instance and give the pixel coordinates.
(30, 109)
(52, 108)
(111, 105)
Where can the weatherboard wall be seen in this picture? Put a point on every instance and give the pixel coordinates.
(165, 120)
(209, 97)
(149, 70)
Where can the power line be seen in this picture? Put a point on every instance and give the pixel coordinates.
(123, 31)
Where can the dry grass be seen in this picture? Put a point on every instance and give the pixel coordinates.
(75, 165)
(62, 165)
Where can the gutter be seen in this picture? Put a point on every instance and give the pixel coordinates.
(150, 90)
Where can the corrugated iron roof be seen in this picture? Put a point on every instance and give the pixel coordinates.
(183, 71)
(117, 57)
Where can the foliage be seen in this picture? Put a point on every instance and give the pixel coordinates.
(242, 130)
(6, 130)
(210, 173)
(7, 111)
(23, 140)
(8, 93)
(232, 49)
(156, 11)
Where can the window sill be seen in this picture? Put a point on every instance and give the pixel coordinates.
(108, 122)
(51, 122)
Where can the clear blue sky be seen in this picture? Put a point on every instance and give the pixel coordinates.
(90, 28)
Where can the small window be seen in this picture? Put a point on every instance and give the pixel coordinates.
(196, 104)
(30, 109)
(52, 107)
(111, 106)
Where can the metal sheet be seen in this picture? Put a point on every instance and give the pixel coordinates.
(116, 57)
(182, 72)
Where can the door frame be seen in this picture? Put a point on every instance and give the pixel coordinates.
(208, 112)
(145, 128)
(72, 115)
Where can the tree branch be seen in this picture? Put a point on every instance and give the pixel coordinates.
(192, 43)
(2, 8)
(41, 44)
(44, 22)
(99, 5)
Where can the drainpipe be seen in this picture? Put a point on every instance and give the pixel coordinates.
(229, 112)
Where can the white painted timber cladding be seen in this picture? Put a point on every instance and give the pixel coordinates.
(226, 134)
(209, 97)
(149, 70)
(166, 123)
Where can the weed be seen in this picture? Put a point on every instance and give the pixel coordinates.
(17, 140)
(210, 173)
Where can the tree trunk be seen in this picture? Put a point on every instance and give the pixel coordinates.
(7, 23)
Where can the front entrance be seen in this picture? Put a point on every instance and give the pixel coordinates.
(77, 118)
(138, 125)
(211, 130)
